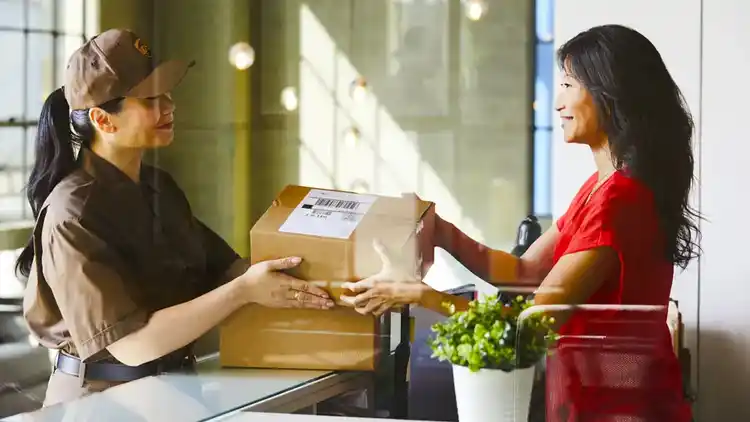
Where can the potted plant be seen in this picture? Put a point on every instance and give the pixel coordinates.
(493, 357)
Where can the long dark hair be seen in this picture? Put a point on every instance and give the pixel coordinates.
(647, 121)
(54, 157)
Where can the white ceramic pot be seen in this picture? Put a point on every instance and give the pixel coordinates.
(491, 395)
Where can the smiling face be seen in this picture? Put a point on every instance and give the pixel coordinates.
(578, 113)
(141, 123)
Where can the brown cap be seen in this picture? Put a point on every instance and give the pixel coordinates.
(114, 64)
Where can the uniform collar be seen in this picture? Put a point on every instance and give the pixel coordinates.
(106, 172)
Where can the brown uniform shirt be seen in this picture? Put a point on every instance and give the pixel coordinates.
(109, 252)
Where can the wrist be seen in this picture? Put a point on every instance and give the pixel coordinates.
(243, 289)
(424, 295)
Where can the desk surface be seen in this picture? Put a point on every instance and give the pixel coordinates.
(277, 417)
(212, 392)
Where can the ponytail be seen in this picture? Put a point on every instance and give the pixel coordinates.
(53, 160)
(54, 156)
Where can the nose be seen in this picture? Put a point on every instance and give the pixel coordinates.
(166, 104)
(559, 104)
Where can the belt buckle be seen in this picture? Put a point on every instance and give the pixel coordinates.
(55, 364)
(189, 361)
(81, 373)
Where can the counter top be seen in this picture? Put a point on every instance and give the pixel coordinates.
(209, 393)
(212, 392)
(275, 417)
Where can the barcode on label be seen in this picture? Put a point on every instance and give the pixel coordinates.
(337, 203)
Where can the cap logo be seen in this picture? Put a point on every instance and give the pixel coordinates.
(142, 48)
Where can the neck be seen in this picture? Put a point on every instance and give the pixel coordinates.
(603, 160)
(128, 160)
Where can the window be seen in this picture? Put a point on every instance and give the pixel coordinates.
(37, 37)
(543, 106)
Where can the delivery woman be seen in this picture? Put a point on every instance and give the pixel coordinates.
(627, 227)
(122, 278)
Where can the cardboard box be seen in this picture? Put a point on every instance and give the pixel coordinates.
(333, 232)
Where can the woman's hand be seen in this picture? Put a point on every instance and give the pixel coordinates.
(393, 286)
(377, 297)
(266, 284)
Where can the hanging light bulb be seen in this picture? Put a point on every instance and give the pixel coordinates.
(358, 89)
(475, 9)
(289, 99)
(351, 137)
(241, 55)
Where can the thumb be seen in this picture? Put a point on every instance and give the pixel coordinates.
(382, 252)
(359, 286)
(283, 263)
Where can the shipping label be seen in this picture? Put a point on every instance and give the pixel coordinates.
(328, 214)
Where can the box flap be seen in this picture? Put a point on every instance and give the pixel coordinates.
(333, 254)
(326, 211)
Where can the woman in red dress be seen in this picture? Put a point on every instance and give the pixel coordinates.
(619, 240)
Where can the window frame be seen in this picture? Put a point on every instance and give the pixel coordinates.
(15, 233)
(536, 154)
(28, 123)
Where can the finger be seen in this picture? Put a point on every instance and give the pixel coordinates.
(370, 307)
(316, 302)
(385, 307)
(283, 263)
(347, 300)
(303, 286)
(300, 299)
(382, 252)
(365, 297)
(360, 286)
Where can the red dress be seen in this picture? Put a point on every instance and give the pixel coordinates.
(612, 364)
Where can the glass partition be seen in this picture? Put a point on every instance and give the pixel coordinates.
(604, 357)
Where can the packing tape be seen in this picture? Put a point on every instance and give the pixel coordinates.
(337, 333)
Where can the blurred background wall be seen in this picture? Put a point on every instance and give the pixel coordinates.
(449, 99)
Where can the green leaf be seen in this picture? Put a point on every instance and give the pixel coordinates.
(464, 351)
(488, 335)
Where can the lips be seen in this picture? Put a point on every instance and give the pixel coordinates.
(166, 126)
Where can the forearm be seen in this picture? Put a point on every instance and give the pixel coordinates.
(434, 300)
(492, 266)
(172, 328)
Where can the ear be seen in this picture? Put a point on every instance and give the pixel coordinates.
(102, 120)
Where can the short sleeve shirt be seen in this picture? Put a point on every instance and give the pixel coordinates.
(110, 252)
(622, 215)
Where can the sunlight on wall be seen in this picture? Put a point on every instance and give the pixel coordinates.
(385, 158)
(10, 286)
(316, 117)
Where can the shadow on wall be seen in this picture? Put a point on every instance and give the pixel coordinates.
(733, 356)
(463, 166)
(475, 158)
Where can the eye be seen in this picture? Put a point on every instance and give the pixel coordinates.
(565, 85)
